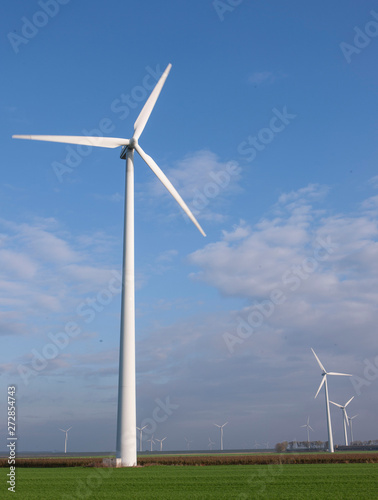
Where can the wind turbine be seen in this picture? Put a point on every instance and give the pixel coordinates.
(188, 441)
(345, 418)
(151, 440)
(308, 429)
(126, 417)
(256, 445)
(351, 428)
(221, 434)
(140, 429)
(210, 445)
(324, 381)
(66, 438)
(161, 442)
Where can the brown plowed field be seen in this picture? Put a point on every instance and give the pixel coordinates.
(203, 460)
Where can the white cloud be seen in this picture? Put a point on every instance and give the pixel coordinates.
(46, 270)
(332, 296)
(17, 264)
(239, 232)
(374, 181)
(259, 77)
(204, 182)
(167, 256)
(46, 245)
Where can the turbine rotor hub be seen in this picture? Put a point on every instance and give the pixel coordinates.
(133, 142)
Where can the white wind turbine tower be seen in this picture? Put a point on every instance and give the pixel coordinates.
(221, 433)
(151, 440)
(345, 418)
(210, 445)
(308, 429)
(140, 429)
(351, 427)
(161, 442)
(324, 381)
(126, 417)
(66, 438)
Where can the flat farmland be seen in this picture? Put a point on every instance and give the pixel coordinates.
(276, 481)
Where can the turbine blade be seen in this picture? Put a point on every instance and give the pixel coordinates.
(320, 386)
(102, 142)
(318, 360)
(343, 374)
(310, 427)
(144, 115)
(346, 416)
(166, 182)
(336, 404)
(346, 404)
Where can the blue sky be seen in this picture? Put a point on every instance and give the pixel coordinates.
(266, 126)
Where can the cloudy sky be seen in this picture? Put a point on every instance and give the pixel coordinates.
(267, 127)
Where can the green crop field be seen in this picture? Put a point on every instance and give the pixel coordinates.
(240, 482)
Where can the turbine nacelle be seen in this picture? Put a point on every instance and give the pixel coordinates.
(123, 152)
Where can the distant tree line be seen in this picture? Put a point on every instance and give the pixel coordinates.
(316, 445)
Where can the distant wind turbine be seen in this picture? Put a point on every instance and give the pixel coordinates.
(161, 442)
(324, 381)
(140, 429)
(188, 441)
(345, 418)
(151, 440)
(351, 427)
(210, 445)
(66, 438)
(126, 417)
(308, 429)
(221, 433)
